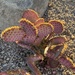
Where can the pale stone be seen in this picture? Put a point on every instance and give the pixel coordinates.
(12, 10)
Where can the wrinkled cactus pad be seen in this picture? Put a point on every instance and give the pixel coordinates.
(12, 34)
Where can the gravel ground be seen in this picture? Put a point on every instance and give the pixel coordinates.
(12, 56)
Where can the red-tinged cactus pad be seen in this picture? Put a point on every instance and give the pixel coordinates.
(58, 26)
(44, 29)
(30, 30)
(28, 27)
(12, 34)
(67, 62)
(30, 15)
(39, 21)
(16, 72)
(29, 39)
(58, 40)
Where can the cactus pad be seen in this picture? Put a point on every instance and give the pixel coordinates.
(30, 15)
(44, 29)
(12, 34)
(58, 26)
(28, 27)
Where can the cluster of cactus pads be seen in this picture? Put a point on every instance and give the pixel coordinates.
(35, 34)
